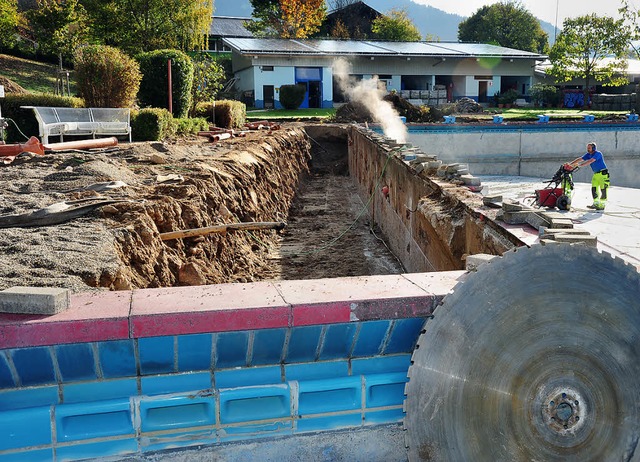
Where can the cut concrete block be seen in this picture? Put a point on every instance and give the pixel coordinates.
(561, 223)
(550, 232)
(538, 220)
(470, 180)
(516, 218)
(473, 261)
(435, 164)
(591, 241)
(509, 205)
(420, 167)
(34, 300)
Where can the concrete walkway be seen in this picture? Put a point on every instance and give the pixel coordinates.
(617, 228)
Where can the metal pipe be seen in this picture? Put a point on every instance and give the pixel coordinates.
(83, 144)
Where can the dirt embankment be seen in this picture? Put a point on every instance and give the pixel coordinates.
(157, 188)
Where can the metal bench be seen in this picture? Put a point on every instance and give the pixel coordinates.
(66, 121)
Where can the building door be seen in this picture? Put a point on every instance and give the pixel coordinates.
(314, 94)
(482, 91)
(268, 94)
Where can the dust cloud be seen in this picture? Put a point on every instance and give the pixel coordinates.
(368, 93)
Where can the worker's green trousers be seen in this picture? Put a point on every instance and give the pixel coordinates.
(599, 185)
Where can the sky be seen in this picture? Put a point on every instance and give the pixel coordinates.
(542, 9)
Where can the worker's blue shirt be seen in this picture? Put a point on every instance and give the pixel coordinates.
(598, 164)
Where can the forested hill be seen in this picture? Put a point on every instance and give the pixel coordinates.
(429, 20)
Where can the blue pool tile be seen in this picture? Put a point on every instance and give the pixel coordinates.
(76, 362)
(381, 364)
(177, 412)
(34, 366)
(117, 358)
(303, 344)
(254, 403)
(194, 352)
(39, 455)
(176, 383)
(252, 431)
(384, 417)
(385, 389)
(334, 422)
(25, 427)
(156, 355)
(231, 349)
(404, 335)
(370, 338)
(267, 346)
(315, 371)
(6, 378)
(98, 419)
(330, 395)
(28, 397)
(173, 440)
(248, 376)
(104, 389)
(338, 341)
(89, 450)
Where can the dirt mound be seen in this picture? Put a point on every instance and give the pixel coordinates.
(11, 87)
(151, 188)
(355, 111)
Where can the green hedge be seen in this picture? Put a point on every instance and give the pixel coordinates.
(154, 124)
(25, 119)
(292, 96)
(228, 113)
(155, 82)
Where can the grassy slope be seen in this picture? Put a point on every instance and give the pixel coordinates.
(30, 75)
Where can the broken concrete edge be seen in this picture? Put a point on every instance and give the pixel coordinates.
(34, 300)
(472, 262)
(141, 313)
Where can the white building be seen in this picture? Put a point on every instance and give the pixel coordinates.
(477, 71)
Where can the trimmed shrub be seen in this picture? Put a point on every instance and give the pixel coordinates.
(155, 83)
(25, 119)
(106, 77)
(152, 124)
(190, 126)
(228, 113)
(292, 96)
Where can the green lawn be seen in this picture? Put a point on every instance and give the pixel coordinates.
(31, 75)
(274, 114)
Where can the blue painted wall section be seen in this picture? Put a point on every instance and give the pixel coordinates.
(117, 398)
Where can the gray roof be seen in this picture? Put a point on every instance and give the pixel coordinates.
(271, 46)
(227, 26)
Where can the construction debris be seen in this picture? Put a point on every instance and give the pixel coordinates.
(220, 229)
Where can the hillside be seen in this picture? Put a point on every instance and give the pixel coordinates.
(428, 19)
(32, 76)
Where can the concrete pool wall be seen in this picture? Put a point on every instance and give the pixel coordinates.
(533, 149)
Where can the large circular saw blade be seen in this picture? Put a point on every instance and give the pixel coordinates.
(536, 357)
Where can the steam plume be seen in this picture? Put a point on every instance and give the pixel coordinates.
(367, 93)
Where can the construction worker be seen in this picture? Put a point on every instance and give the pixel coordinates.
(600, 180)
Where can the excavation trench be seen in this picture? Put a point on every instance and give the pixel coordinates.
(322, 180)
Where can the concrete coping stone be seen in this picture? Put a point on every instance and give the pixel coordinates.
(34, 300)
(472, 262)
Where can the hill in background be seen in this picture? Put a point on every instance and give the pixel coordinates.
(428, 19)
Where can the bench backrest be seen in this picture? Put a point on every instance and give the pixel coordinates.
(47, 115)
(72, 114)
(110, 114)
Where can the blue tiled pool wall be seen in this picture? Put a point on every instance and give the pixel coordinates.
(74, 401)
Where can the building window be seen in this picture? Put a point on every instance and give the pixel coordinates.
(266, 68)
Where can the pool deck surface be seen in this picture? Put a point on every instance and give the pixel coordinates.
(617, 227)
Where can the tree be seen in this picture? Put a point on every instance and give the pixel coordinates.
(508, 24)
(582, 46)
(339, 31)
(146, 25)
(208, 77)
(631, 20)
(58, 27)
(106, 76)
(287, 18)
(396, 25)
(8, 23)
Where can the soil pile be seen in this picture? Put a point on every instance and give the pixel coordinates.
(11, 87)
(142, 190)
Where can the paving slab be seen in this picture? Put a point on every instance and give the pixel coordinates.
(617, 227)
